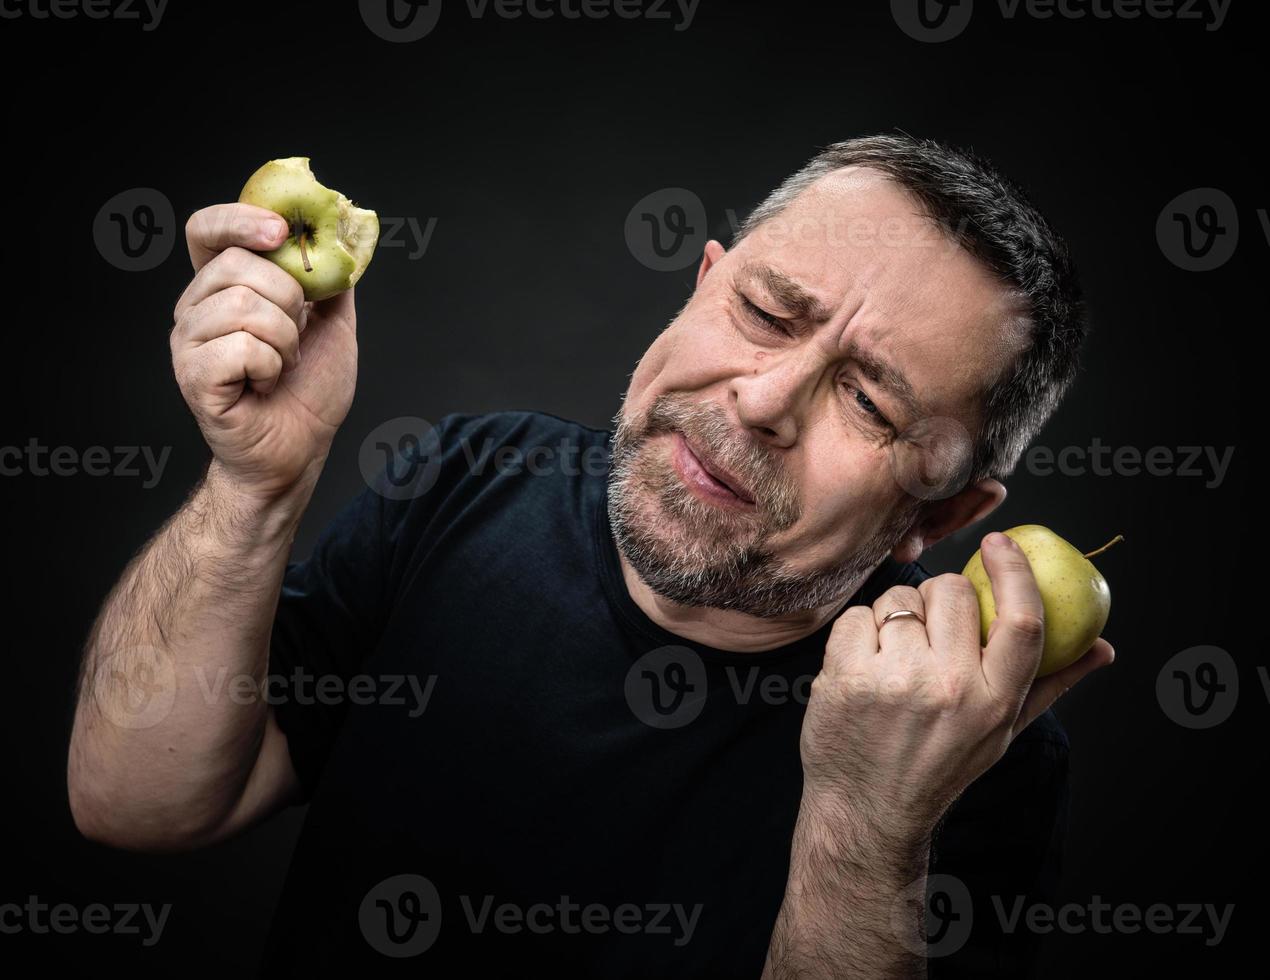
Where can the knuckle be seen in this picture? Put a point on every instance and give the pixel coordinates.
(953, 583)
(241, 344)
(239, 299)
(900, 593)
(233, 263)
(1029, 625)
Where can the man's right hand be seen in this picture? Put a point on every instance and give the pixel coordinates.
(268, 376)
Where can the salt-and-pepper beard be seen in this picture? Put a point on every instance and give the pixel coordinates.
(697, 554)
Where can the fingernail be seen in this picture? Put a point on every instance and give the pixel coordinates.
(273, 230)
(997, 540)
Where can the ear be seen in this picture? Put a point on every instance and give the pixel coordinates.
(714, 251)
(940, 518)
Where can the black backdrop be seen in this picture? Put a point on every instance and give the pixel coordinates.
(523, 144)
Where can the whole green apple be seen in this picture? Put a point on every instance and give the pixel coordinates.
(1074, 594)
(331, 240)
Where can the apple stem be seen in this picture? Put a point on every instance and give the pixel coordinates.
(1118, 537)
(304, 252)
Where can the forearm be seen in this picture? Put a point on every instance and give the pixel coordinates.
(167, 727)
(854, 905)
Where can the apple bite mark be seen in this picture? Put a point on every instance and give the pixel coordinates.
(330, 241)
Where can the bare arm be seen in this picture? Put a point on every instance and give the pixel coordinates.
(174, 744)
(851, 908)
(902, 717)
(161, 755)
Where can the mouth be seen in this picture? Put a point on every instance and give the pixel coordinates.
(706, 478)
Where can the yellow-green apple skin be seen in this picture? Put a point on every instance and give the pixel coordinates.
(1074, 594)
(339, 238)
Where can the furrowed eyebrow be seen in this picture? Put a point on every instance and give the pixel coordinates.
(790, 294)
(887, 376)
(807, 308)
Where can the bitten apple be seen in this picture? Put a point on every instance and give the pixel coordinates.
(331, 241)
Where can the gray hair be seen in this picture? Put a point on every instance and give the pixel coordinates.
(993, 220)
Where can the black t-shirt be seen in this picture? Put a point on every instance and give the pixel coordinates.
(512, 770)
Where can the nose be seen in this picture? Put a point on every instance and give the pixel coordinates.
(772, 399)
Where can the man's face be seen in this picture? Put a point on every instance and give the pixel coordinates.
(775, 374)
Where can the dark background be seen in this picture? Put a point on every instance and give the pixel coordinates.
(529, 141)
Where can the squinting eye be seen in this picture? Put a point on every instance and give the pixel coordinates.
(868, 408)
(767, 319)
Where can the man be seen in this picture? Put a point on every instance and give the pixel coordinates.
(672, 700)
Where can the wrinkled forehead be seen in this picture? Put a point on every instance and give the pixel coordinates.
(857, 229)
(883, 272)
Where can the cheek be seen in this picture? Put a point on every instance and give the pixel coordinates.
(686, 356)
(845, 502)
